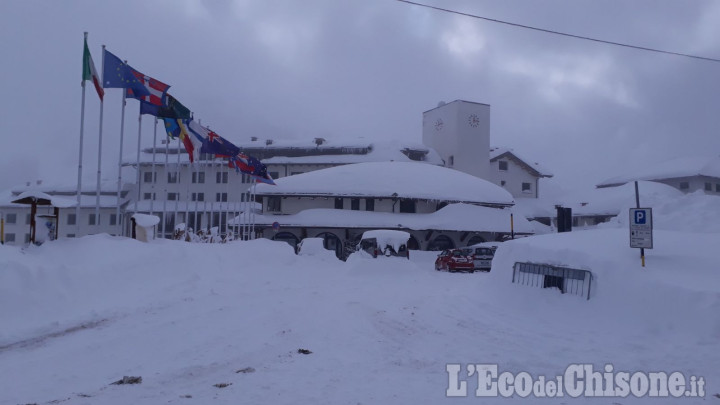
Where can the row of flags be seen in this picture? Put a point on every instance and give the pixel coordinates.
(179, 123)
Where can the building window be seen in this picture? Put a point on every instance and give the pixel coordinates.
(274, 204)
(355, 204)
(12, 218)
(221, 177)
(339, 203)
(71, 235)
(148, 196)
(27, 238)
(369, 204)
(9, 237)
(198, 196)
(221, 197)
(91, 219)
(684, 185)
(407, 205)
(149, 177)
(294, 173)
(717, 187)
(502, 183)
(113, 219)
(527, 188)
(708, 186)
(503, 165)
(172, 177)
(71, 219)
(198, 177)
(27, 219)
(274, 175)
(172, 196)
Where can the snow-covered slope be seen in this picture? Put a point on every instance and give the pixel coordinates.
(79, 314)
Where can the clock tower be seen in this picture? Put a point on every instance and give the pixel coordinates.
(460, 132)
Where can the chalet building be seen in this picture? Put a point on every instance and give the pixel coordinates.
(688, 174)
(516, 175)
(440, 207)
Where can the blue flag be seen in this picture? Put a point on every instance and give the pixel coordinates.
(117, 74)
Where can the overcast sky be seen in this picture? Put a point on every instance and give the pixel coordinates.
(346, 69)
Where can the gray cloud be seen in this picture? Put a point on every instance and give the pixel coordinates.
(346, 69)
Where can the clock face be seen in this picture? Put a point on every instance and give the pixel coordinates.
(439, 124)
(473, 120)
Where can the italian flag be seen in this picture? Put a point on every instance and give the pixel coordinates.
(89, 72)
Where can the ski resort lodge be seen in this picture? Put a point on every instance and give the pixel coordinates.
(451, 190)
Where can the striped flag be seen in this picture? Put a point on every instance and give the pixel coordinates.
(89, 72)
(155, 88)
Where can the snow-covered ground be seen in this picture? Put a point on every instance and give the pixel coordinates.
(77, 315)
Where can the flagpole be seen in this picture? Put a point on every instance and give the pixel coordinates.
(166, 171)
(97, 192)
(252, 210)
(177, 189)
(122, 133)
(137, 157)
(80, 159)
(227, 198)
(154, 175)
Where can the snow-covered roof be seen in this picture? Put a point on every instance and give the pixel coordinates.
(534, 167)
(391, 179)
(670, 169)
(600, 201)
(88, 186)
(44, 198)
(375, 152)
(453, 217)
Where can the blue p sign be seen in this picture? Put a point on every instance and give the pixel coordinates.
(639, 217)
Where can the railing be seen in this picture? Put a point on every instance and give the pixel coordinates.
(567, 280)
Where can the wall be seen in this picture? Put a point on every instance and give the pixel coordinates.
(460, 132)
(513, 177)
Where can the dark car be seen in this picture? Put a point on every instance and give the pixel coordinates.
(454, 260)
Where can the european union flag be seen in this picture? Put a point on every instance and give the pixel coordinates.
(117, 74)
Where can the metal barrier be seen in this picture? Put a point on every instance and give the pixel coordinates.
(567, 280)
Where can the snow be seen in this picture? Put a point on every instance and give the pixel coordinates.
(452, 217)
(146, 221)
(314, 247)
(55, 201)
(387, 237)
(688, 166)
(497, 152)
(80, 313)
(385, 179)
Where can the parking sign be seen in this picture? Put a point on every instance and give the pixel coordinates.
(641, 228)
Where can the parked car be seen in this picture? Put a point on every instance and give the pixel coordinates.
(454, 260)
(314, 247)
(482, 258)
(385, 242)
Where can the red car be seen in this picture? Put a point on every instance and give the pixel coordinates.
(454, 260)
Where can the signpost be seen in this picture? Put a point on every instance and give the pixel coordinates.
(640, 227)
